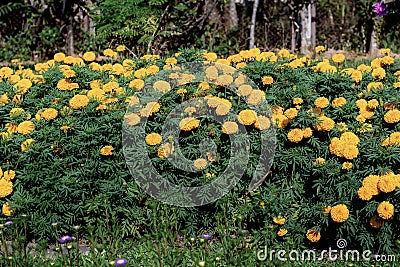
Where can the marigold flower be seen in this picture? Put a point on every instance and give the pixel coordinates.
(78, 101)
(319, 49)
(376, 222)
(188, 124)
(230, 127)
(392, 116)
(295, 135)
(25, 145)
(89, 56)
(106, 150)
(247, 117)
(319, 161)
(26, 127)
(339, 213)
(364, 193)
(313, 235)
(162, 86)
(200, 164)
(132, 119)
(49, 114)
(282, 232)
(387, 183)
(262, 123)
(153, 139)
(347, 165)
(324, 124)
(379, 73)
(307, 132)
(297, 101)
(385, 210)
(338, 102)
(165, 150)
(279, 220)
(59, 57)
(8, 175)
(7, 211)
(244, 90)
(256, 97)
(6, 188)
(266, 80)
(338, 58)
(291, 113)
(321, 102)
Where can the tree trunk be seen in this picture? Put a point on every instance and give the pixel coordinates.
(305, 30)
(230, 15)
(253, 24)
(313, 19)
(70, 36)
(373, 47)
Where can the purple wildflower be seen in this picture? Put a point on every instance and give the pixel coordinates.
(206, 236)
(120, 262)
(380, 9)
(54, 224)
(65, 238)
(7, 223)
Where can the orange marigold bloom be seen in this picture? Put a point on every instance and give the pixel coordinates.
(26, 127)
(313, 235)
(385, 210)
(200, 164)
(339, 213)
(106, 150)
(153, 139)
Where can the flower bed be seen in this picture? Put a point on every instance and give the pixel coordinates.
(335, 173)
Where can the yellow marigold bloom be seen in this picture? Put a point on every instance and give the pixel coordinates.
(373, 103)
(23, 86)
(11, 127)
(385, 51)
(350, 138)
(319, 49)
(222, 109)
(110, 53)
(379, 73)
(7, 211)
(6, 188)
(319, 161)
(153, 139)
(25, 145)
(321, 102)
(132, 119)
(266, 80)
(364, 68)
(224, 80)
(327, 210)
(230, 127)
(171, 61)
(279, 220)
(295, 135)
(324, 124)
(16, 112)
(106, 150)
(347, 165)
(96, 94)
(204, 86)
(313, 235)
(371, 182)
(387, 60)
(256, 97)
(200, 164)
(376, 222)
(281, 120)
(152, 69)
(297, 101)
(385, 210)
(291, 113)
(3, 99)
(26, 127)
(165, 150)
(307, 132)
(120, 48)
(349, 152)
(339, 213)
(262, 123)
(395, 85)
(338, 58)
(89, 56)
(68, 73)
(8, 175)
(188, 124)
(210, 56)
(365, 193)
(59, 57)
(284, 53)
(49, 114)
(338, 102)
(247, 117)
(356, 76)
(138, 84)
(78, 101)
(162, 86)
(392, 116)
(241, 65)
(387, 183)
(244, 90)
(65, 128)
(282, 232)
